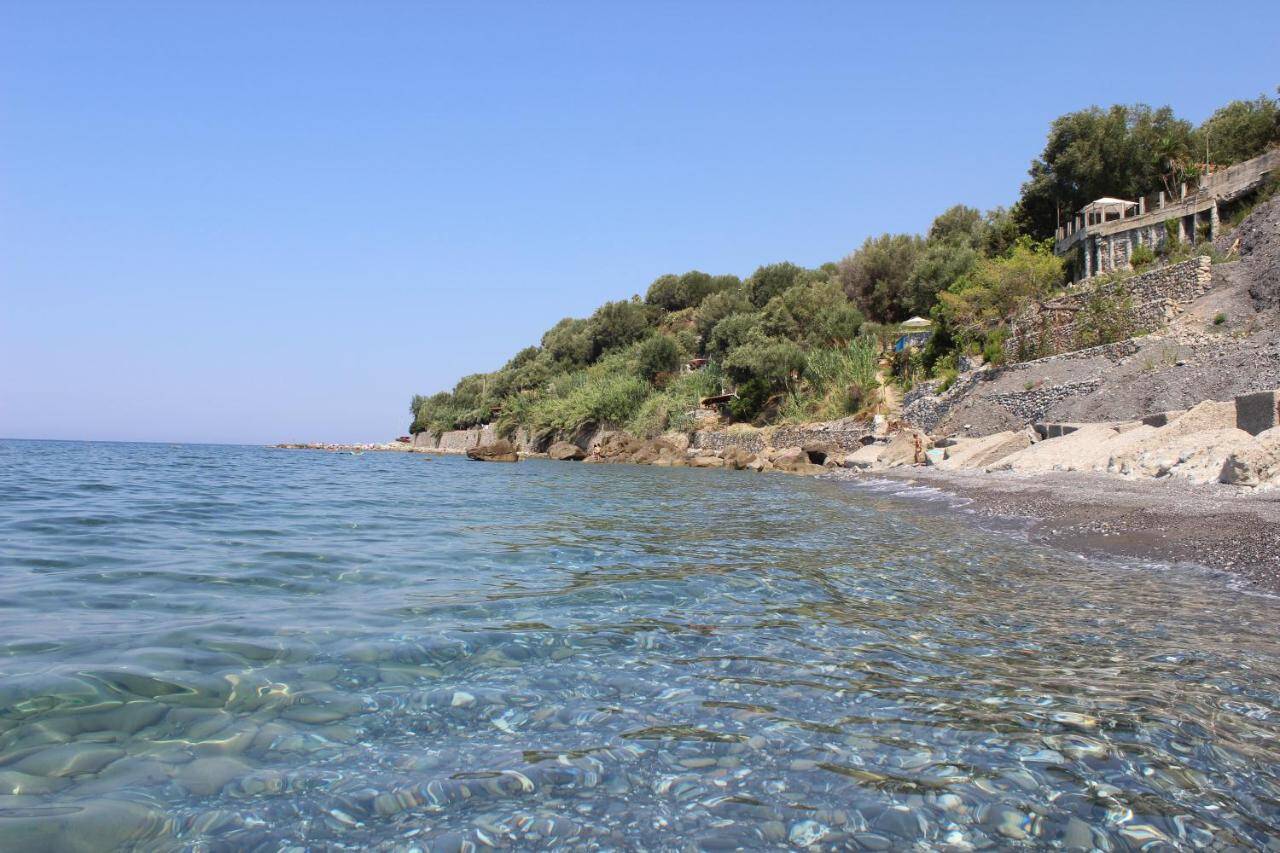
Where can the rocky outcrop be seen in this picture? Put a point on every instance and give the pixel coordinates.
(622, 447)
(981, 452)
(907, 447)
(737, 458)
(615, 446)
(792, 460)
(650, 452)
(497, 451)
(563, 451)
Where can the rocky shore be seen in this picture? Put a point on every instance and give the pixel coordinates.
(1214, 525)
(400, 445)
(1195, 486)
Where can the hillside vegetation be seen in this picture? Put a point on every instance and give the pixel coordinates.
(802, 344)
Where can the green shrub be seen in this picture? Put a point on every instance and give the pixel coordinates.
(1141, 256)
(1104, 319)
(853, 364)
(675, 293)
(769, 281)
(657, 355)
(1219, 319)
(732, 332)
(753, 396)
(993, 347)
(569, 342)
(775, 363)
(664, 293)
(619, 324)
(717, 306)
(1210, 251)
(815, 313)
(1172, 244)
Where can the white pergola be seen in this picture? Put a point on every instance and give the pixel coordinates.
(1108, 205)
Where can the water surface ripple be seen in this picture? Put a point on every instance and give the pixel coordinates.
(221, 648)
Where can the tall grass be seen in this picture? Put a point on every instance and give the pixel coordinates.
(837, 382)
(673, 406)
(578, 399)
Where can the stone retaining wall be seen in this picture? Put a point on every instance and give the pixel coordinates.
(924, 408)
(846, 438)
(1140, 303)
(716, 441)
(1034, 405)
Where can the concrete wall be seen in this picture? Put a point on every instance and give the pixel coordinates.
(1190, 205)
(1150, 301)
(455, 441)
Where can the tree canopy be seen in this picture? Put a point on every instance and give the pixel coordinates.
(800, 342)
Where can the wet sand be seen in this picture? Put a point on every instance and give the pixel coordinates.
(1221, 527)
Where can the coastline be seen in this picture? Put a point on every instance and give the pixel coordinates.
(1166, 520)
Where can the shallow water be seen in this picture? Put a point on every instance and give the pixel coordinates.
(223, 648)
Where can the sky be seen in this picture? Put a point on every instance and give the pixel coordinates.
(251, 222)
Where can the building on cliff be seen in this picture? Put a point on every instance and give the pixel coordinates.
(1101, 238)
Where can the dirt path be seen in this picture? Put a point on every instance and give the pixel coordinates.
(890, 398)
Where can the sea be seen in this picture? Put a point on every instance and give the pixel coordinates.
(214, 648)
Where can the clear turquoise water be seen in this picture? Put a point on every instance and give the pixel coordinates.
(222, 648)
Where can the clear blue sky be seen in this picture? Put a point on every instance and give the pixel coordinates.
(262, 221)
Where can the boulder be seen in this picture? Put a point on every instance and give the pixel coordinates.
(864, 457)
(737, 458)
(1202, 457)
(678, 440)
(978, 453)
(614, 447)
(1081, 450)
(1209, 415)
(1253, 465)
(793, 460)
(564, 451)
(655, 450)
(498, 451)
(785, 457)
(819, 452)
(706, 462)
(905, 448)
